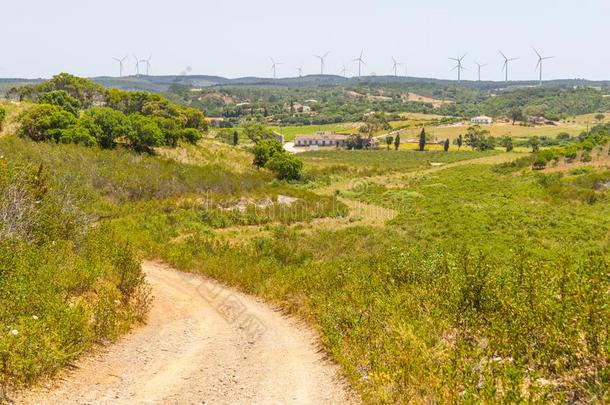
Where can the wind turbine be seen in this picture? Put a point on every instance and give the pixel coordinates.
(506, 63)
(479, 65)
(360, 63)
(137, 65)
(322, 63)
(540, 60)
(395, 66)
(120, 64)
(147, 62)
(344, 71)
(459, 66)
(300, 70)
(274, 65)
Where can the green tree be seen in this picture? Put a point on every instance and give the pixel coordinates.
(191, 135)
(422, 140)
(388, 140)
(479, 139)
(85, 132)
(257, 132)
(599, 117)
(460, 141)
(114, 125)
(146, 134)
(507, 142)
(534, 143)
(62, 99)
(516, 114)
(397, 141)
(2, 117)
(265, 150)
(446, 145)
(44, 122)
(235, 138)
(285, 166)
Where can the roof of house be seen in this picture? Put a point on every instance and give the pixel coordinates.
(481, 117)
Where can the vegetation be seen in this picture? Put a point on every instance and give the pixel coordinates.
(138, 120)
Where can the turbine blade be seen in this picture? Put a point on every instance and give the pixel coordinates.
(537, 53)
(501, 53)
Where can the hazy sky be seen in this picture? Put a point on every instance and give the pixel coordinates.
(236, 38)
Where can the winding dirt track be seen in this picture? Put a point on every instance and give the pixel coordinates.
(204, 343)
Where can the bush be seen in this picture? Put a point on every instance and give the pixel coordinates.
(264, 150)
(145, 135)
(285, 166)
(2, 117)
(113, 124)
(191, 135)
(61, 99)
(44, 122)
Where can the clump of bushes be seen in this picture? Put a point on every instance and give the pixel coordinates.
(64, 284)
(2, 118)
(138, 120)
(272, 155)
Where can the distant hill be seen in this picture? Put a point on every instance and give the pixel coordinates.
(163, 83)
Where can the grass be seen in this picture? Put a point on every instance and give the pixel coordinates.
(290, 132)
(481, 287)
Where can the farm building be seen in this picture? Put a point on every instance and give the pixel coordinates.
(482, 120)
(539, 120)
(321, 139)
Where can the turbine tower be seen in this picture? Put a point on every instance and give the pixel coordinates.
(120, 64)
(360, 63)
(459, 66)
(274, 66)
(479, 65)
(395, 66)
(344, 71)
(540, 60)
(300, 70)
(137, 65)
(506, 63)
(147, 63)
(322, 62)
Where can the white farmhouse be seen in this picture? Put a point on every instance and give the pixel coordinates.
(482, 120)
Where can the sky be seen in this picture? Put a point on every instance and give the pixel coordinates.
(236, 38)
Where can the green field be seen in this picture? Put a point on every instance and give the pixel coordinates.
(290, 132)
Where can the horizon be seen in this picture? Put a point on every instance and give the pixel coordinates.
(241, 38)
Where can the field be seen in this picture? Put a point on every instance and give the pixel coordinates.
(497, 130)
(290, 132)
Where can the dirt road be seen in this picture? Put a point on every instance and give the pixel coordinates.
(203, 343)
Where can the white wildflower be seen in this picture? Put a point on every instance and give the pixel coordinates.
(34, 317)
(14, 332)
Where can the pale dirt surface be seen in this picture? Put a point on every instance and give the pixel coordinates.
(204, 343)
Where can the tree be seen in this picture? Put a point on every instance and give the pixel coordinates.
(146, 134)
(85, 132)
(397, 141)
(460, 141)
(285, 166)
(600, 117)
(265, 150)
(446, 145)
(516, 114)
(257, 132)
(373, 123)
(2, 117)
(191, 135)
(479, 139)
(114, 125)
(61, 99)
(422, 140)
(534, 143)
(507, 142)
(235, 138)
(389, 139)
(44, 122)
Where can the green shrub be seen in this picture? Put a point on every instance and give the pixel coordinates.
(285, 166)
(2, 118)
(191, 135)
(44, 122)
(264, 150)
(61, 99)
